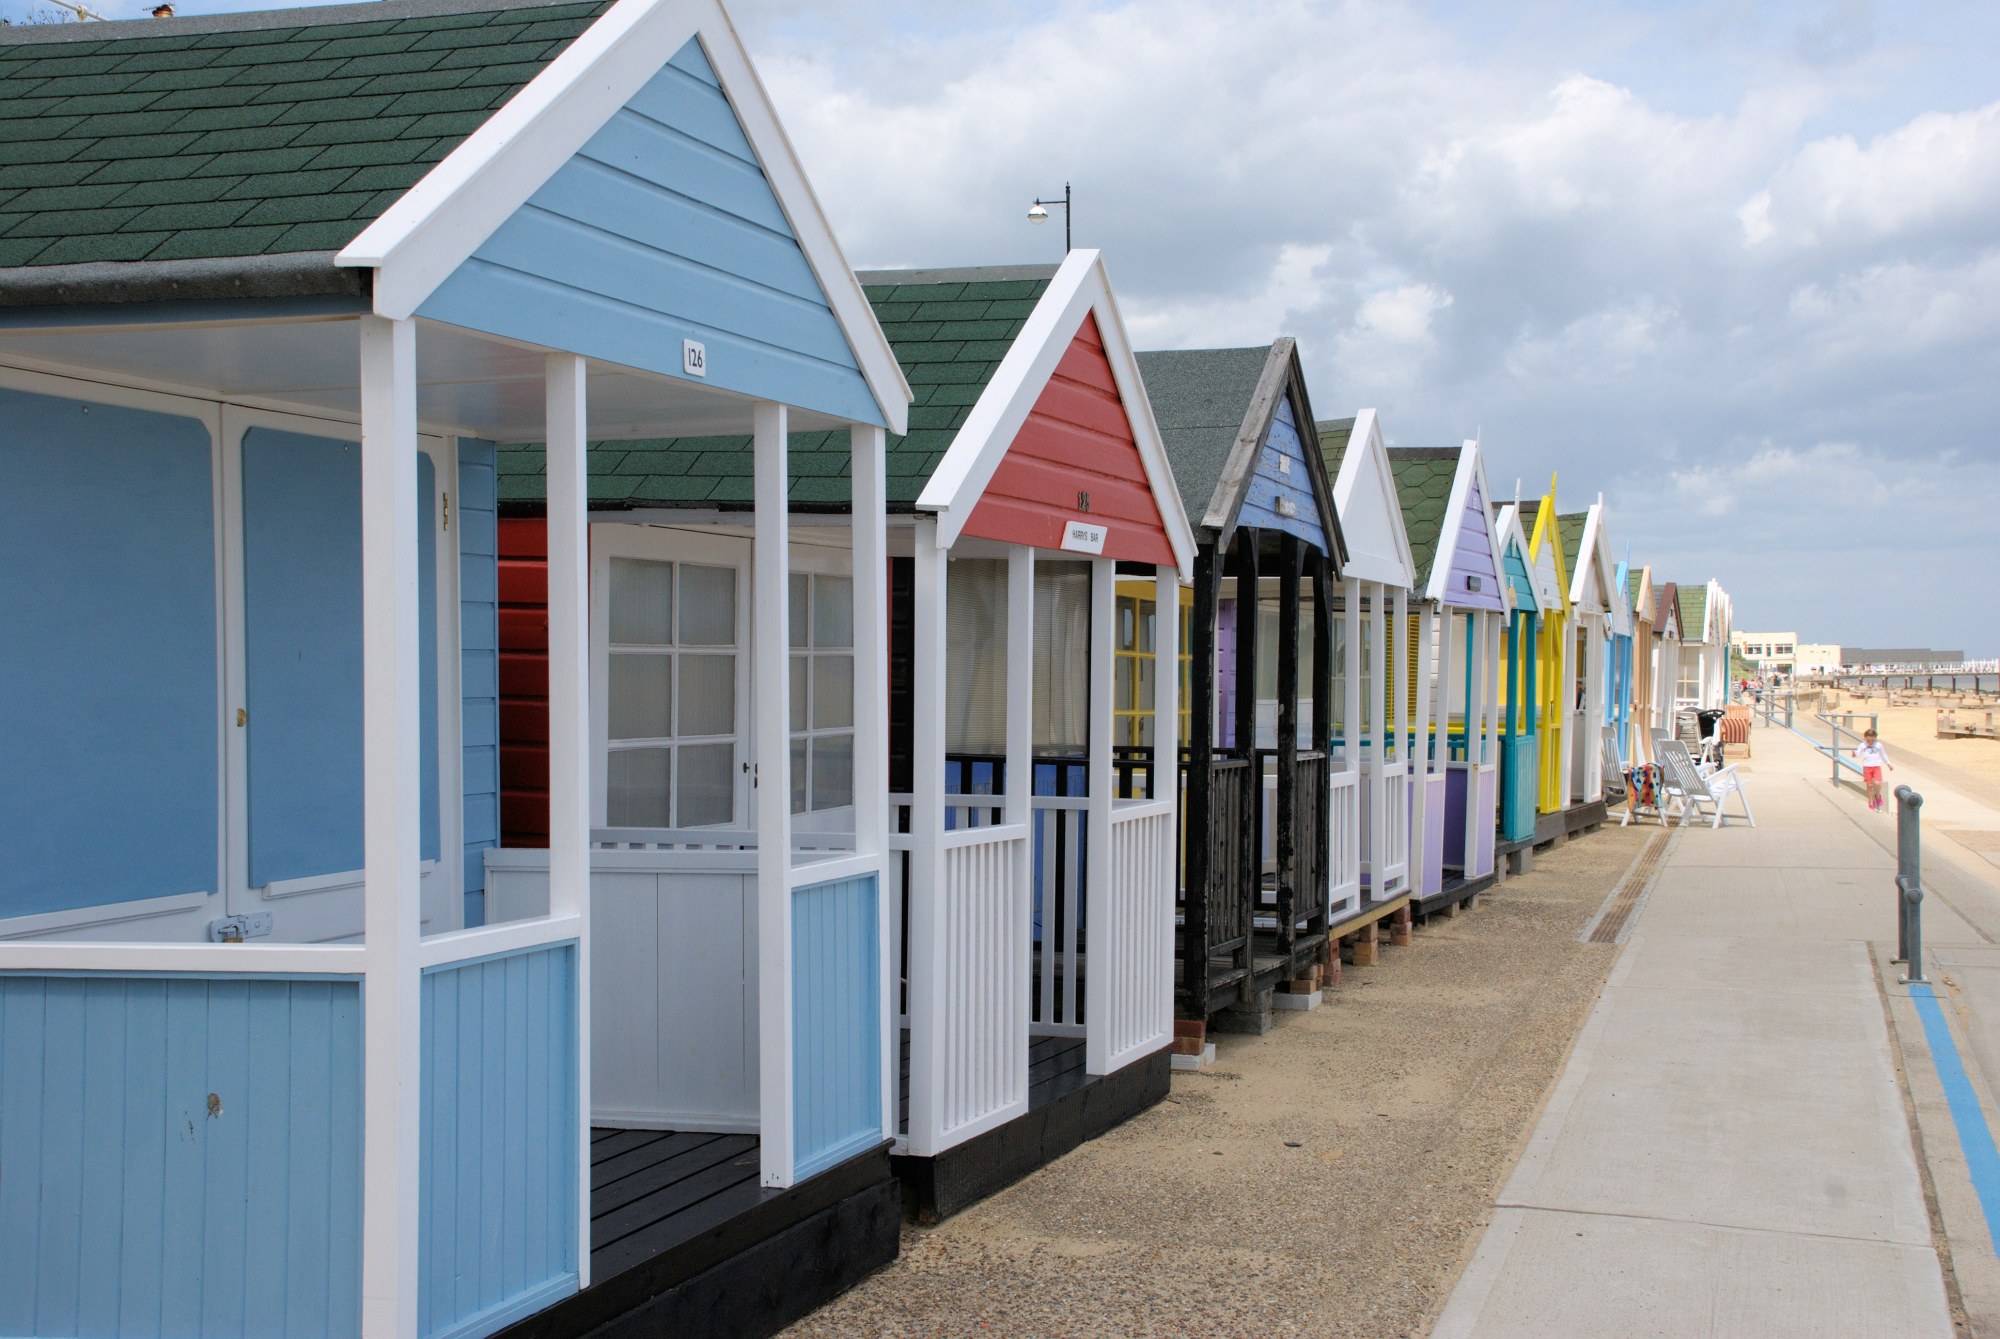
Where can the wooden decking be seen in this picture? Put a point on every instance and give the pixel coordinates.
(684, 1239)
(651, 1190)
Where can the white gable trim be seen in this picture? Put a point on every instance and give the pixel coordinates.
(1590, 580)
(1507, 535)
(428, 233)
(1366, 484)
(1080, 288)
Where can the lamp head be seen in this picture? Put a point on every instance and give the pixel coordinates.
(1037, 214)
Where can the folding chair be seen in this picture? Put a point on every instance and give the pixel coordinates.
(1703, 795)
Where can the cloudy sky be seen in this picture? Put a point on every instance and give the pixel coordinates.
(1734, 264)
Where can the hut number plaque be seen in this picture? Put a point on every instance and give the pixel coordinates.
(1083, 537)
(694, 358)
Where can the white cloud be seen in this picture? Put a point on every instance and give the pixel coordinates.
(1935, 176)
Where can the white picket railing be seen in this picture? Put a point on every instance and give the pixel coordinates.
(1343, 835)
(1385, 827)
(1059, 1001)
(981, 979)
(1395, 864)
(1132, 924)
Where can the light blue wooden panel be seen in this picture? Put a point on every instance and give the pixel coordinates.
(1472, 556)
(181, 1155)
(836, 1023)
(108, 657)
(302, 652)
(499, 1162)
(479, 664)
(1281, 477)
(663, 228)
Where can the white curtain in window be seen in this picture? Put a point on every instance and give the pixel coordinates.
(975, 693)
(1062, 657)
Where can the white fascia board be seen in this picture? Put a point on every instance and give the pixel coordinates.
(1366, 482)
(1587, 581)
(1145, 429)
(1496, 536)
(1447, 549)
(960, 479)
(851, 308)
(1080, 288)
(429, 232)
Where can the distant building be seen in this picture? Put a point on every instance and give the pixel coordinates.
(1767, 650)
(1860, 657)
(1816, 658)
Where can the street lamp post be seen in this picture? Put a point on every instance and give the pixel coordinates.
(1038, 212)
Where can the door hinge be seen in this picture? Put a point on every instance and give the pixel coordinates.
(242, 717)
(447, 511)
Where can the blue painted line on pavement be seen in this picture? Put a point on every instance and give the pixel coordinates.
(1975, 1140)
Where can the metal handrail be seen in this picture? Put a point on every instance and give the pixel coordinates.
(1909, 886)
(1836, 750)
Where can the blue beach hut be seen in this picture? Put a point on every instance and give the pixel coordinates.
(272, 288)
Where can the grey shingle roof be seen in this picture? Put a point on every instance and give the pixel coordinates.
(247, 135)
(949, 328)
(1200, 398)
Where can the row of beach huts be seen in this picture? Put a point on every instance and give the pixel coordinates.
(571, 760)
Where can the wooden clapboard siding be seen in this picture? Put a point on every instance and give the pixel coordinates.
(1472, 556)
(108, 672)
(523, 571)
(1280, 494)
(663, 228)
(181, 1155)
(479, 664)
(497, 1167)
(836, 1023)
(1076, 440)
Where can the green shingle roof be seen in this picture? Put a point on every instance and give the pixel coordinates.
(1694, 611)
(1333, 435)
(1424, 476)
(1632, 581)
(1570, 526)
(949, 328)
(248, 135)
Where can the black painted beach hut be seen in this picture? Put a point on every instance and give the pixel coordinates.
(1255, 873)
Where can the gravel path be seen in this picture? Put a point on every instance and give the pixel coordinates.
(1324, 1179)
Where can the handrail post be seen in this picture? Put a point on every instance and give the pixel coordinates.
(1909, 885)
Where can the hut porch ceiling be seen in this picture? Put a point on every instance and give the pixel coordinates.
(469, 384)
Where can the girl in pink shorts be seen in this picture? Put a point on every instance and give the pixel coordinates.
(1872, 760)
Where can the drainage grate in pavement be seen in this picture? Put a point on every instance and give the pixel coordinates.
(1617, 910)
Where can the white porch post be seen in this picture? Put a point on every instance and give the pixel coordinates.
(392, 997)
(1019, 779)
(1351, 736)
(1350, 655)
(569, 717)
(770, 669)
(925, 941)
(1167, 774)
(1429, 643)
(868, 534)
(1478, 639)
(1097, 846)
(1378, 708)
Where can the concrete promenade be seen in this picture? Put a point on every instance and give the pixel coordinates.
(1730, 1149)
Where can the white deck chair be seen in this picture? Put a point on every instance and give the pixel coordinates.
(1614, 771)
(1703, 795)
